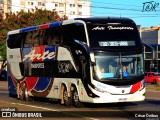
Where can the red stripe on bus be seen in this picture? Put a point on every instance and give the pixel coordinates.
(43, 26)
(135, 87)
(39, 51)
(31, 82)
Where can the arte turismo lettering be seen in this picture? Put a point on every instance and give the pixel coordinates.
(45, 55)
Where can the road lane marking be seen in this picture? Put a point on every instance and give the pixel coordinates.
(4, 92)
(43, 108)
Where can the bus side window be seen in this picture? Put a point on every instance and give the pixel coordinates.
(14, 41)
(45, 37)
(79, 32)
(42, 37)
(35, 38)
(51, 36)
(68, 33)
(57, 36)
(28, 39)
(32, 38)
(73, 32)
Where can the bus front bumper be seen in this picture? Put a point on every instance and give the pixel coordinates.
(114, 98)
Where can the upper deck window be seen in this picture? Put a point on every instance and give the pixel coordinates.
(73, 32)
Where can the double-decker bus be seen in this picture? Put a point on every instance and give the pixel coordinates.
(76, 61)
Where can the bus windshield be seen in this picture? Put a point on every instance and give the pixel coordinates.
(113, 35)
(111, 66)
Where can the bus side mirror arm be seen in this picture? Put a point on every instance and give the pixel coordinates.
(92, 59)
(93, 63)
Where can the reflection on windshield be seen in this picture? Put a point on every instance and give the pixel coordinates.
(118, 66)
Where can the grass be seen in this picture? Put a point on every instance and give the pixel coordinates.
(157, 85)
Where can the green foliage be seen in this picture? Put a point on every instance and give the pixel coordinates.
(157, 85)
(22, 20)
(2, 50)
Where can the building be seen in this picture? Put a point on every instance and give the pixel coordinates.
(151, 36)
(1, 6)
(70, 8)
(4, 7)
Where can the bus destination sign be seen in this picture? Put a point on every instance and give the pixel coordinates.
(116, 43)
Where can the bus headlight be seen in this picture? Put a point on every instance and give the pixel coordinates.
(100, 90)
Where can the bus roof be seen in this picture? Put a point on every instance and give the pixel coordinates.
(106, 20)
(43, 26)
(87, 20)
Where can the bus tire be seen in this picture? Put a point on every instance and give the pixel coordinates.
(65, 98)
(75, 99)
(23, 94)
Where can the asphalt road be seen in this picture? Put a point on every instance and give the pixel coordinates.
(49, 110)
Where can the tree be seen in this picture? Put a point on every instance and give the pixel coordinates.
(24, 19)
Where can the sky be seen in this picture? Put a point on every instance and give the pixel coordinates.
(144, 12)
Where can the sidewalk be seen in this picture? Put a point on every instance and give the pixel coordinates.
(153, 95)
(3, 85)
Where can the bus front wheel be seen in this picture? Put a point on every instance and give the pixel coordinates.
(65, 98)
(75, 98)
(23, 94)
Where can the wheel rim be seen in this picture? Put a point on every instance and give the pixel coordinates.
(65, 96)
(26, 93)
(75, 97)
(20, 93)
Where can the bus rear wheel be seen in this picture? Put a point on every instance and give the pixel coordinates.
(75, 98)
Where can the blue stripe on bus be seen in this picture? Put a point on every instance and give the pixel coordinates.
(42, 83)
(26, 51)
(29, 29)
(54, 24)
(50, 49)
